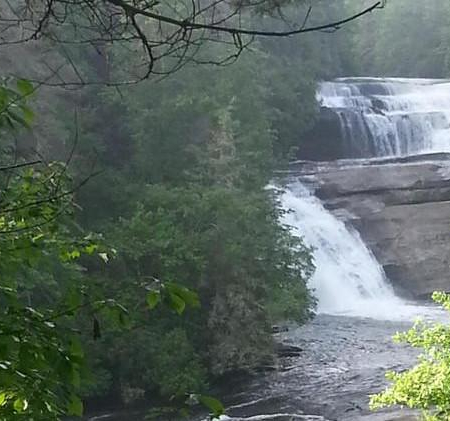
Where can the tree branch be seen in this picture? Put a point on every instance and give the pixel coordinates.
(20, 165)
(132, 10)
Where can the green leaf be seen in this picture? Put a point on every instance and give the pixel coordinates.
(75, 348)
(153, 299)
(177, 303)
(189, 297)
(90, 249)
(73, 298)
(38, 237)
(28, 115)
(75, 406)
(25, 87)
(75, 254)
(20, 405)
(213, 404)
(75, 377)
(2, 398)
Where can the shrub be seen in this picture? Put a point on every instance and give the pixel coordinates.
(426, 386)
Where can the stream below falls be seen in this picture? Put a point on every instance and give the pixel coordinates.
(342, 361)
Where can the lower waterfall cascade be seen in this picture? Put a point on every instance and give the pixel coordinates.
(348, 280)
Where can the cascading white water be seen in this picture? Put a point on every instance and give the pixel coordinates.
(348, 280)
(379, 118)
(390, 116)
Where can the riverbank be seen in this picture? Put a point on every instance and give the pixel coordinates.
(343, 360)
(339, 362)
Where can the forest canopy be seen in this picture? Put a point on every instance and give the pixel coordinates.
(124, 205)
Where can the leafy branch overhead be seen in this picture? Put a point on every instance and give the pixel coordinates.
(41, 358)
(162, 35)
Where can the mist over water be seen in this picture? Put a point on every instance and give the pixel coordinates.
(390, 116)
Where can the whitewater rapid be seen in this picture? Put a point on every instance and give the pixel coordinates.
(390, 116)
(348, 280)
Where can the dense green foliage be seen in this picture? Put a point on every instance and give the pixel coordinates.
(182, 203)
(183, 199)
(45, 295)
(425, 386)
(40, 355)
(405, 39)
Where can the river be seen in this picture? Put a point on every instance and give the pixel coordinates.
(335, 363)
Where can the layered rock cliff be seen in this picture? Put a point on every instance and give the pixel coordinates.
(400, 206)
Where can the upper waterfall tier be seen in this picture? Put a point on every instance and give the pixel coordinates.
(389, 117)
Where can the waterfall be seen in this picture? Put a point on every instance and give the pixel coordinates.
(348, 280)
(390, 116)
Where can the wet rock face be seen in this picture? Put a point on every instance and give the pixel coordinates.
(324, 141)
(401, 207)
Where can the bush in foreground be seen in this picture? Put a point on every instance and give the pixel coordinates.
(426, 386)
